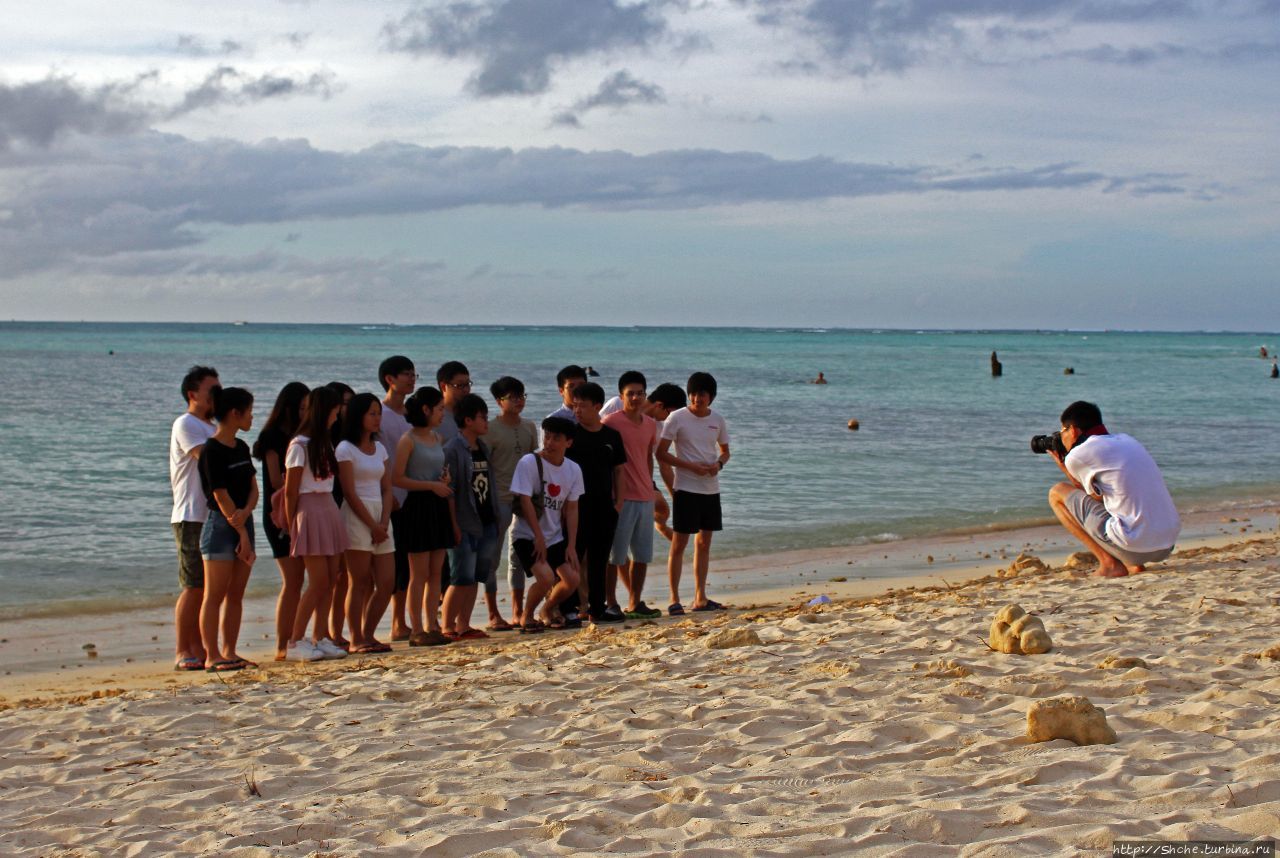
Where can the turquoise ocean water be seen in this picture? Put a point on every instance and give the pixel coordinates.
(942, 445)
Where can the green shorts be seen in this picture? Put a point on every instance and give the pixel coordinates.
(186, 534)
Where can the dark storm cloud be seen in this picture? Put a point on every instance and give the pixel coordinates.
(519, 43)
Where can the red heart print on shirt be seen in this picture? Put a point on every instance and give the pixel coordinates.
(553, 490)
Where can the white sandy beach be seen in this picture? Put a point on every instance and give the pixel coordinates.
(876, 725)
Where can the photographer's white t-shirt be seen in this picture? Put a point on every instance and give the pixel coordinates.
(1122, 472)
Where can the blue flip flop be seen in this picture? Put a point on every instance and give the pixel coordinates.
(712, 606)
(675, 609)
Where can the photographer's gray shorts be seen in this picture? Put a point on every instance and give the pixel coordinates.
(1093, 517)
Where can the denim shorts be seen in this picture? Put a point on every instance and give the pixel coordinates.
(472, 558)
(634, 533)
(219, 540)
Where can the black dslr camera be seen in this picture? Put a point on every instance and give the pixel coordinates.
(1044, 443)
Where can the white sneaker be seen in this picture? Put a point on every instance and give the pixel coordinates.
(303, 650)
(329, 649)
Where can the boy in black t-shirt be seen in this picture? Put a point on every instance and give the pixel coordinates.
(598, 450)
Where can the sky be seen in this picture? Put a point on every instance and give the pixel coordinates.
(835, 163)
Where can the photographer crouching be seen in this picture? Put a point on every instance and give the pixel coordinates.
(1116, 502)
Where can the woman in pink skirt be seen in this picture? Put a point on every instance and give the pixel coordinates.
(317, 532)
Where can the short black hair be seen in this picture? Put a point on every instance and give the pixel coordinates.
(507, 386)
(468, 408)
(195, 375)
(590, 391)
(558, 426)
(450, 369)
(570, 371)
(419, 403)
(393, 366)
(228, 399)
(669, 395)
(1082, 415)
(702, 382)
(631, 376)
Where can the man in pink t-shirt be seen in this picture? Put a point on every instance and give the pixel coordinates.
(634, 534)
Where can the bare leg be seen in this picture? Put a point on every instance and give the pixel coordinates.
(316, 597)
(1108, 566)
(292, 573)
(675, 564)
(399, 622)
(359, 586)
(436, 563)
(517, 605)
(566, 582)
(217, 578)
(623, 573)
(419, 571)
(186, 623)
(542, 580)
(458, 605)
(384, 580)
(338, 607)
(635, 575)
(701, 563)
(233, 610)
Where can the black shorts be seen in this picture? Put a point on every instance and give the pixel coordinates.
(524, 551)
(692, 512)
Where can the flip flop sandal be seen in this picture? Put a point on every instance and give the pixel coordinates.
(534, 628)
(675, 609)
(473, 635)
(189, 663)
(251, 665)
(366, 649)
(503, 626)
(712, 606)
(223, 666)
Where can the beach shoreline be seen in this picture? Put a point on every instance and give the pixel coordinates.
(48, 659)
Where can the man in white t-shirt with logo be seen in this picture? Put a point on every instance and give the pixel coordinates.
(545, 489)
(190, 509)
(700, 439)
(1116, 503)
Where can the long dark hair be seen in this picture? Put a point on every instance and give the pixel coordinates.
(286, 415)
(320, 403)
(357, 408)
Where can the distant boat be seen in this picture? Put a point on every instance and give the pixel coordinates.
(240, 322)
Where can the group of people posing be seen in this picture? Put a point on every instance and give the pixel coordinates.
(407, 500)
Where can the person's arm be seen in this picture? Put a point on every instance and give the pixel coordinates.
(380, 533)
(665, 468)
(1062, 466)
(450, 455)
(292, 485)
(724, 457)
(618, 476)
(400, 481)
(275, 473)
(665, 457)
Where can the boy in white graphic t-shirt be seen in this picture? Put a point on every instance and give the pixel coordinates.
(545, 488)
(701, 441)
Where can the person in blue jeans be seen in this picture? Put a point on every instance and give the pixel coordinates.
(474, 510)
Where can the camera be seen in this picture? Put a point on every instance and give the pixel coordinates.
(1044, 443)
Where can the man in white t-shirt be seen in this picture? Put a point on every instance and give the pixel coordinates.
(700, 439)
(546, 487)
(1116, 502)
(190, 508)
(399, 378)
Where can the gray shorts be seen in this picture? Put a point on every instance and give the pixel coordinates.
(634, 533)
(1093, 517)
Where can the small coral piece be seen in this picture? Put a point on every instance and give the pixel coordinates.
(1073, 718)
(1015, 631)
(1023, 564)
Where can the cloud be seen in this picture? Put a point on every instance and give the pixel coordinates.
(617, 91)
(194, 46)
(891, 36)
(228, 85)
(519, 43)
(157, 192)
(39, 112)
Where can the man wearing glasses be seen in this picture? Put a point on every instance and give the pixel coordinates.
(454, 381)
(398, 378)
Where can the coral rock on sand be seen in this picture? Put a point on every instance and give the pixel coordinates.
(1073, 718)
(730, 638)
(1015, 631)
(1023, 564)
(1120, 662)
(1273, 653)
(1080, 560)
